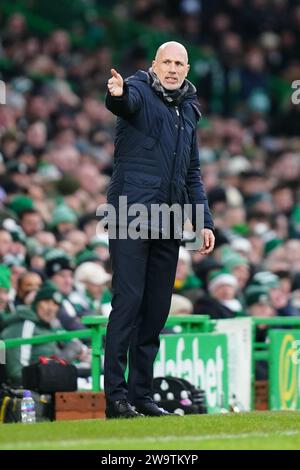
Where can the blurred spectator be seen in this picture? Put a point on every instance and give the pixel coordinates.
(186, 283)
(100, 245)
(180, 306)
(259, 302)
(279, 297)
(64, 219)
(221, 302)
(59, 269)
(31, 222)
(28, 285)
(93, 278)
(259, 305)
(28, 322)
(5, 243)
(6, 306)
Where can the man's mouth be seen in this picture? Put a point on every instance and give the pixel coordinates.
(171, 79)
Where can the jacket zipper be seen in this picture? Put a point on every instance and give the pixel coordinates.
(176, 148)
(178, 129)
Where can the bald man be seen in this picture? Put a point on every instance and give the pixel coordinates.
(156, 163)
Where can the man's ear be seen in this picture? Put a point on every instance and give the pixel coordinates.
(153, 65)
(188, 69)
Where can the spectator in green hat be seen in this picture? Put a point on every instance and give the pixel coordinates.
(47, 292)
(100, 245)
(39, 319)
(279, 298)
(35, 256)
(259, 305)
(20, 203)
(238, 266)
(87, 255)
(64, 219)
(258, 301)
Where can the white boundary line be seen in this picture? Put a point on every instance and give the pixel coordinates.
(85, 442)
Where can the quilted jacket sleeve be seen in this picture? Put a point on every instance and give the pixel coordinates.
(127, 104)
(197, 194)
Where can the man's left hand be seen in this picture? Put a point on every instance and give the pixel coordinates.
(208, 241)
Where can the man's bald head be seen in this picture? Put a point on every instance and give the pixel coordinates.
(171, 64)
(172, 46)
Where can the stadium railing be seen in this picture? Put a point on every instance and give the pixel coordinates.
(96, 330)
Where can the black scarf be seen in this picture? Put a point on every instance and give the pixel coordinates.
(171, 97)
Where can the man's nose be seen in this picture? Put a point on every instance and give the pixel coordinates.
(172, 67)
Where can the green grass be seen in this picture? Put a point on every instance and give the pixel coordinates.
(258, 430)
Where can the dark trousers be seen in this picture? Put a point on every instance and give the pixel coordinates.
(143, 279)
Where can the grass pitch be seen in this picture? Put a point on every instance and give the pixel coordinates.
(257, 430)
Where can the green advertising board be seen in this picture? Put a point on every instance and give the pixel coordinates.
(284, 370)
(201, 359)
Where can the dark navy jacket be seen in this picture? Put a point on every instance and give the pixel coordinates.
(156, 151)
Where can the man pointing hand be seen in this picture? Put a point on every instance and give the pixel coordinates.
(156, 163)
(115, 84)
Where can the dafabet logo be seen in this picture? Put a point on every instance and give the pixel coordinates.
(288, 372)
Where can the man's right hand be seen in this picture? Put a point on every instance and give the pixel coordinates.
(115, 84)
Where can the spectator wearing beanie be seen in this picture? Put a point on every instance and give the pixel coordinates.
(29, 321)
(59, 269)
(259, 305)
(279, 298)
(92, 280)
(100, 245)
(5, 243)
(64, 219)
(221, 301)
(239, 267)
(180, 305)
